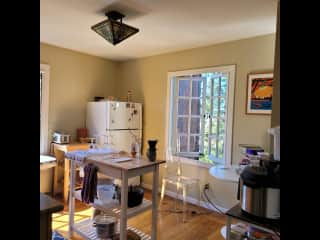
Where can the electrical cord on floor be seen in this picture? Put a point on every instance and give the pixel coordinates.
(211, 203)
(193, 212)
(205, 201)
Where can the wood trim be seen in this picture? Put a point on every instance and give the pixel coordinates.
(44, 126)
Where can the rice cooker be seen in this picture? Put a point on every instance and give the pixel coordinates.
(259, 190)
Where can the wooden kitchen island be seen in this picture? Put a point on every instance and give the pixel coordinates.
(123, 171)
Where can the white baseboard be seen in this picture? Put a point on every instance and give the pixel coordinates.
(189, 199)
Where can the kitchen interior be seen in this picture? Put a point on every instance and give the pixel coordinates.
(151, 131)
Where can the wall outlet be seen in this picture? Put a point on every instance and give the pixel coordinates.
(206, 186)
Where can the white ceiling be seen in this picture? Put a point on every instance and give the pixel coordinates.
(165, 25)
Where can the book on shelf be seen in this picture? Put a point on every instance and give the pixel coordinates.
(245, 147)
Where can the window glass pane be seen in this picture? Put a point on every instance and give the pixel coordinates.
(206, 145)
(195, 107)
(182, 125)
(219, 103)
(214, 126)
(208, 104)
(223, 85)
(216, 87)
(195, 125)
(213, 145)
(184, 88)
(206, 126)
(215, 102)
(197, 86)
(208, 87)
(222, 104)
(220, 148)
(221, 127)
(194, 143)
(218, 130)
(183, 106)
(183, 143)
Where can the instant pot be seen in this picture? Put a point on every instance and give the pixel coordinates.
(259, 190)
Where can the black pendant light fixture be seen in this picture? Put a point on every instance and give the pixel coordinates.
(113, 29)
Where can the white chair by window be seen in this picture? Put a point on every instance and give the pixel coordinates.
(173, 174)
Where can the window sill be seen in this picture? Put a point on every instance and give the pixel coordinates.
(196, 163)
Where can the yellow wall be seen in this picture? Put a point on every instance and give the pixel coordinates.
(147, 78)
(75, 78)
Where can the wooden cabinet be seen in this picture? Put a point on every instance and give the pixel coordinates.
(61, 175)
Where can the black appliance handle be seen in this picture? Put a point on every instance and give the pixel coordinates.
(238, 193)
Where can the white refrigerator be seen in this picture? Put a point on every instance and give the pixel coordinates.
(115, 123)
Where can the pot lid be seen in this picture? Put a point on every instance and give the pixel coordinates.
(257, 176)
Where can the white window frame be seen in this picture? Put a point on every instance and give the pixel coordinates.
(45, 70)
(228, 69)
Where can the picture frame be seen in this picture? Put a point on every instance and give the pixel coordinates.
(259, 93)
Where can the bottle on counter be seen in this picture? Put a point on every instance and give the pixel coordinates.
(133, 150)
(138, 150)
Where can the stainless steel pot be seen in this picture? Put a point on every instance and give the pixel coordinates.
(259, 192)
(105, 226)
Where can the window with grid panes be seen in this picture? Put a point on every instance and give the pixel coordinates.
(200, 123)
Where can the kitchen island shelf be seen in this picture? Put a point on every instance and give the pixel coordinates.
(115, 208)
(112, 207)
(86, 230)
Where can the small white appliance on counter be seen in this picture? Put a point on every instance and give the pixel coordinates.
(61, 138)
(118, 124)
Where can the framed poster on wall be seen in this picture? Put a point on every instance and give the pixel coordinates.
(259, 93)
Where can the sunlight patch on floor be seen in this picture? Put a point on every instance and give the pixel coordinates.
(60, 220)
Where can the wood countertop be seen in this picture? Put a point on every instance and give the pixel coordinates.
(125, 165)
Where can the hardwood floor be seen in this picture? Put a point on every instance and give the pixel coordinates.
(204, 225)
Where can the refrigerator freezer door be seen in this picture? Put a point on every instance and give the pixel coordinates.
(96, 118)
(123, 115)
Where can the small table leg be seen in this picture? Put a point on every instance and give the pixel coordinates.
(228, 228)
(124, 206)
(71, 199)
(66, 180)
(155, 202)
